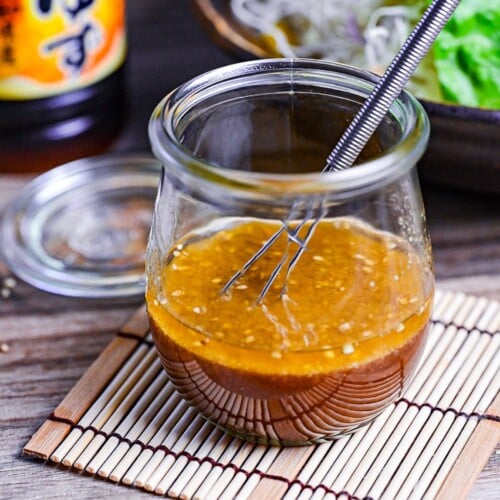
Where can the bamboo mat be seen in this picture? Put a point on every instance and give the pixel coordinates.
(124, 421)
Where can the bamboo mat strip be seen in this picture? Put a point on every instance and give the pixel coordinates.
(124, 421)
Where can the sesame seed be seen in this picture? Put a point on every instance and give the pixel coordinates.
(176, 253)
(318, 258)
(364, 258)
(249, 339)
(177, 293)
(197, 310)
(402, 300)
(329, 354)
(367, 269)
(156, 303)
(344, 327)
(367, 333)
(276, 354)
(10, 282)
(400, 328)
(4, 347)
(396, 277)
(347, 349)
(413, 300)
(197, 343)
(372, 284)
(217, 280)
(241, 287)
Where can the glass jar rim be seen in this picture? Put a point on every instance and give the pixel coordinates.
(365, 177)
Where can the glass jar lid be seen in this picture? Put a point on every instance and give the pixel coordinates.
(81, 229)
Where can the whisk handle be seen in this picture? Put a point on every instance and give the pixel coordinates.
(388, 88)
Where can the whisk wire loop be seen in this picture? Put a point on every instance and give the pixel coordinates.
(358, 132)
(294, 260)
(302, 244)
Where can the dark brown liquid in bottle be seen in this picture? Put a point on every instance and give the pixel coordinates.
(38, 134)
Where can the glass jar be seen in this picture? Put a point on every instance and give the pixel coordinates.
(338, 334)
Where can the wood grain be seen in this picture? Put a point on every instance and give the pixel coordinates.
(88, 387)
(461, 477)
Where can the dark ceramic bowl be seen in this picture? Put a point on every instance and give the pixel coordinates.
(464, 147)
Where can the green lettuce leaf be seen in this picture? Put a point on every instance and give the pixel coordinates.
(467, 55)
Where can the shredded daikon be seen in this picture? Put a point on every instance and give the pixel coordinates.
(362, 33)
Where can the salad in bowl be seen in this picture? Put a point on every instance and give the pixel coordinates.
(458, 81)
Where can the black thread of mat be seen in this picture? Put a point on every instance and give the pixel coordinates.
(264, 475)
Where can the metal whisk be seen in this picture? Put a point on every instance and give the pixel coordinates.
(357, 134)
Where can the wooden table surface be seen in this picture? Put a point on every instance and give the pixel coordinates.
(52, 340)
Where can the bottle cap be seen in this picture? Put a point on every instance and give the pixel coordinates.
(81, 229)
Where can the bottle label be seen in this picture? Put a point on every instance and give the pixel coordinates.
(52, 46)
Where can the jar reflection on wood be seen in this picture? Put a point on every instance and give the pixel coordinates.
(61, 94)
(336, 341)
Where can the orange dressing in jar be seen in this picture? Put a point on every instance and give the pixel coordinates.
(313, 360)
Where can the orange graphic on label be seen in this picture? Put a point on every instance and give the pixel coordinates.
(52, 46)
